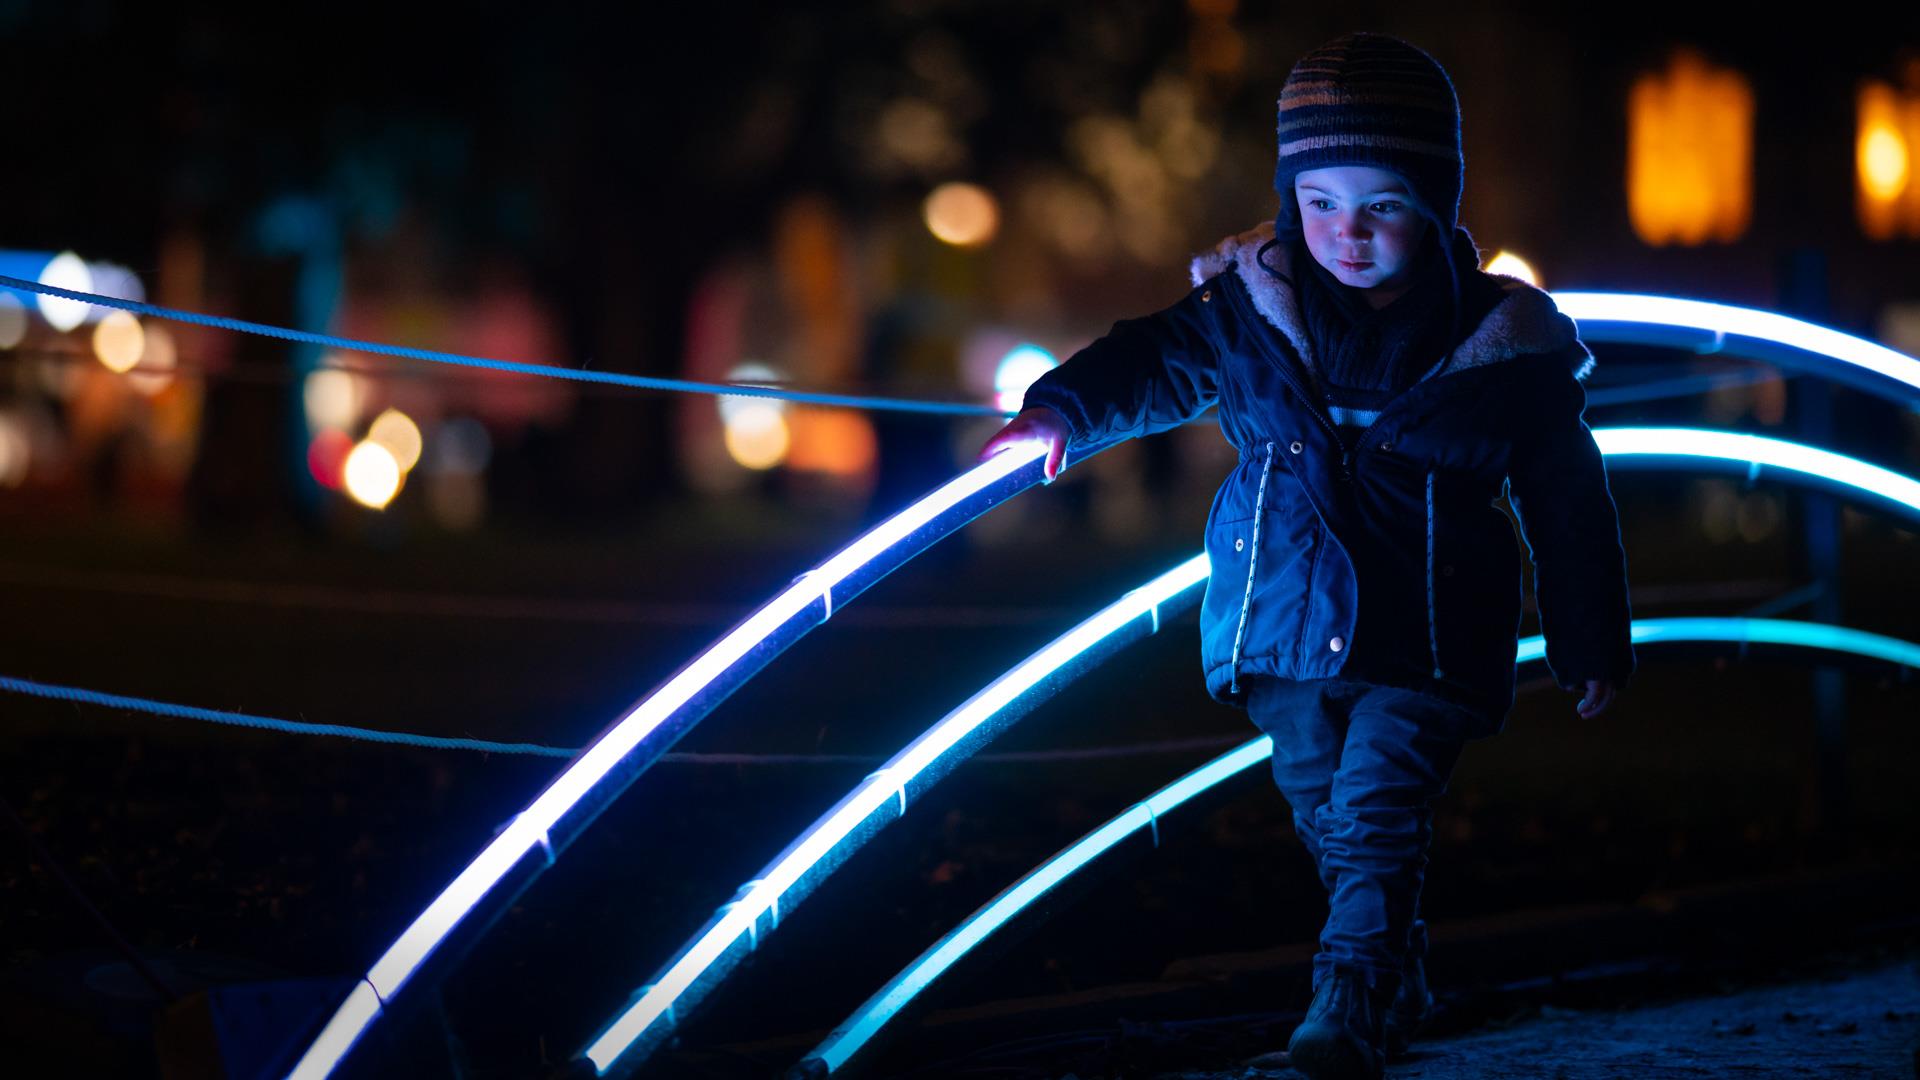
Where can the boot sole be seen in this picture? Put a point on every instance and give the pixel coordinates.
(1332, 1060)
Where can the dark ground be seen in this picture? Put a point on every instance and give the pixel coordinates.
(1861, 1023)
(1854, 1014)
(232, 855)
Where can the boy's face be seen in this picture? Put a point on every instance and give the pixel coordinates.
(1358, 214)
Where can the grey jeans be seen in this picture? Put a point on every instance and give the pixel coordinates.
(1360, 765)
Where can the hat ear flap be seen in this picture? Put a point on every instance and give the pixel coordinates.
(1286, 221)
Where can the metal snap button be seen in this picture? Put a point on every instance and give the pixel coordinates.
(1206, 296)
(1386, 446)
(1447, 570)
(1239, 544)
(1294, 446)
(1336, 644)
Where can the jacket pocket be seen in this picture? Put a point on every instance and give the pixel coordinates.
(1257, 596)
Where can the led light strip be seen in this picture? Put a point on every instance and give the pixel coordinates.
(649, 728)
(735, 929)
(1622, 444)
(1651, 320)
(665, 1001)
(856, 1032)
(1790, 633)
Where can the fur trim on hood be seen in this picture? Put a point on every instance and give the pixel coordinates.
(1525, 322)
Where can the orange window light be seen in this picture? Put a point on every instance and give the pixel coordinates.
(1886, 140)
(1690, 153)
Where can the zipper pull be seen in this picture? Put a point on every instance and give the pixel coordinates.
(1346, 471)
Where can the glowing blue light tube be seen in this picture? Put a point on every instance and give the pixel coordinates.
(1809, 464)
(859, 1029)
(1708, 327)
(1786, 633)
(630, 744)
(1041, 880)
(667, 999)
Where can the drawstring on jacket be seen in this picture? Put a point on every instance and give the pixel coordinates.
(1433, 635)
(1246, 599)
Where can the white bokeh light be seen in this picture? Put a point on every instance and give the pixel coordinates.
(332, 398)
(1511, 265)
(397, 432)
(372, 475)
(1017, 371)
(118, 341)
(65, 271)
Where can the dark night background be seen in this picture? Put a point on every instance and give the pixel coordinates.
(680, 190)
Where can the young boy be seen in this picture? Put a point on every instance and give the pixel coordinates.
(1364, 603)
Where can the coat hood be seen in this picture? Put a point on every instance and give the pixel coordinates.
(1525, 322)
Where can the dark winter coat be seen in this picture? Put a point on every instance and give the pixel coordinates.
(1392, 562)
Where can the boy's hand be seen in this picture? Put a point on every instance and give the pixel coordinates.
(1599, 695)
(1036, 424)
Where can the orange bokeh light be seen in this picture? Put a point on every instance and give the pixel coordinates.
(1886, 142)
(1690, 153)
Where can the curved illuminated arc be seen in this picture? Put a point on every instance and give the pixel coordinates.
(858, 1030)
(1038, 882)
(1770, 328)
(680, 985)
(647, 729)
(664, 1001)
(528, 832)
(1791, 633)
(1757, 450)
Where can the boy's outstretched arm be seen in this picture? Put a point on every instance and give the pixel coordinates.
(1558, 486)
(1146, 375)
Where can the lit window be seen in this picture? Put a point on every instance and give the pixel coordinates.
(1690, 153)
(1886, 139)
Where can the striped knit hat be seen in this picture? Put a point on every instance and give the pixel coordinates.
(1371, 99)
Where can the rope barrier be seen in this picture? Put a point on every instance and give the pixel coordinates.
(645, 382)
(268, 723)
(433, 742)
(1597, 397)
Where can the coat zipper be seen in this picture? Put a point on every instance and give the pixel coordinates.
(1346, 473)
(1313, 403)
(1433, 633)
(1253, 556)
(1313, 406)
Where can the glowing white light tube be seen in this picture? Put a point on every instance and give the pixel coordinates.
(854, 1033)
(1812, 463)
(528, 830)
(880, 799)
(1592, 309)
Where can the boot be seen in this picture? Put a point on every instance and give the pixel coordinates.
(1411, 1007)
(1413, 1003)
(1341, 1037)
